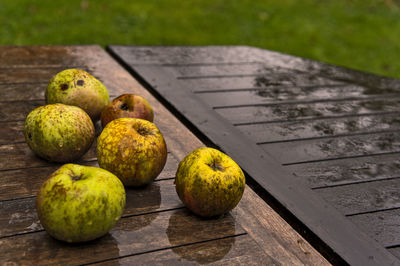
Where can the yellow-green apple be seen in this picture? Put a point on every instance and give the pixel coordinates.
(59, 132)
(133, 149)
(127, 105)
(209, 182)
(80, 203)
(77, 87)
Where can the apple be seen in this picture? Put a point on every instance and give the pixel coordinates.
(77, 87)
(127, 105)
(59, 132)
(80, 203)
(209, 182)
(133, 149)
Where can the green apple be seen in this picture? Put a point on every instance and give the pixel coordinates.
(80, 203)
(127, 105)
(133, 149)
(79, 88)
(209, 182)
(58, 132)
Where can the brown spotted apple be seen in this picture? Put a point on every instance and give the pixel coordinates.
(59, 132)
(80, 203)
(127, 105)
(77, 87)
(209, 182)
(133, 149)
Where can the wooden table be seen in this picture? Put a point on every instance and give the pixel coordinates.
(155, 227)
(319, 142)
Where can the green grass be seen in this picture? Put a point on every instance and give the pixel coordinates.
(361, 34)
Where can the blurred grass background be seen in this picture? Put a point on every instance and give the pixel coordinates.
(361, 34)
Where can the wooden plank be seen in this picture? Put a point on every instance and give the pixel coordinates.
(30, 75)
(278, 112)
(23, 91)
(320, 127)
(347, 171)
(19, 215)
(366, 197)
(26, 182)
(258, 83)
(17, 111)
(167, 55)
(333, 147)
(134, 234)
(33, 56)
(284, 95)
(12, 132)
(381, 226)
(227, 251)
(19, 155)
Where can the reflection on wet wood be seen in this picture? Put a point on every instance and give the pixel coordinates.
(131, 235)
(242, 250)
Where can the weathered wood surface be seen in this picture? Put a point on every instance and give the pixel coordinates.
(155, 228)
(329, 132)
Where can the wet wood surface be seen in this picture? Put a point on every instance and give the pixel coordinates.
(330, 132)
(155, 227)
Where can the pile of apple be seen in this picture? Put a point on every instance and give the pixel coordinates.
(80, 203)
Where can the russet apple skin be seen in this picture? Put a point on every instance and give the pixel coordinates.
(133, 149)
(79, 88)
(127, 105)
(209, 182)
(58, 132)
(80, 203)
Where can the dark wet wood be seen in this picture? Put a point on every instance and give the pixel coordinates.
(317, 128)
(358, 198)
(348, 170)
(334, 147)
(278, 113)
(381, 226)
(302, 111)
(155, 227)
